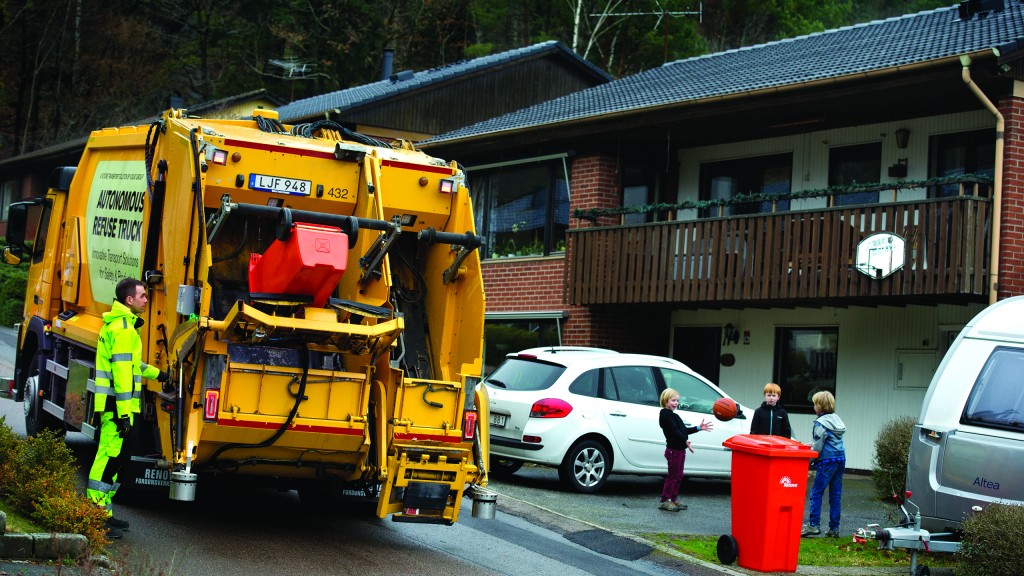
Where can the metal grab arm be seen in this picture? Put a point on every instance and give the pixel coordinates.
(370, 262)
(466, 242)
(350, 225)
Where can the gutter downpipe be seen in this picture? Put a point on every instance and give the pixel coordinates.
(997, 187)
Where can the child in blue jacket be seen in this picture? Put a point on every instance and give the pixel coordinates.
(827, 433)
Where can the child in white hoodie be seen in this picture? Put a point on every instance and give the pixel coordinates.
(827, 432)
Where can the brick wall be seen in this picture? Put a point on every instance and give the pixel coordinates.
(1011, 241)
(595, 184)
(524, 284)
(618, 327)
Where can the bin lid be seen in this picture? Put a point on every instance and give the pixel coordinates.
(771, 446)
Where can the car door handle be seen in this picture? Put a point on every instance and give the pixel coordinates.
(618, 414)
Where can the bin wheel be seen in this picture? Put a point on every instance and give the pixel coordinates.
(922, 571)
(728, 550)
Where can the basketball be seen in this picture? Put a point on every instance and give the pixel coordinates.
(725, 409)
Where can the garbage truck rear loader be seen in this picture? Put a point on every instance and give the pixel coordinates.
(315, 294)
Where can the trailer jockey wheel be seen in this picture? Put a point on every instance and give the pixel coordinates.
(728, 550)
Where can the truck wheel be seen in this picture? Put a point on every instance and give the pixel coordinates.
(504, 467)
(36, 419)
(586, 467)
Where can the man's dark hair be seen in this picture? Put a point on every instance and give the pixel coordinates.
(126, 288)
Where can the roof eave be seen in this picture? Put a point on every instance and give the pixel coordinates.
(881, 72)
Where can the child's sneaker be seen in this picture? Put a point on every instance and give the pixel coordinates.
(809, 530)
(669, 506)
(832, 534)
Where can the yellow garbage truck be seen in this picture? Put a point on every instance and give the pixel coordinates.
(315, 295)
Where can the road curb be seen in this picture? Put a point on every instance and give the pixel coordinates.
(523, 507)
(42, 545)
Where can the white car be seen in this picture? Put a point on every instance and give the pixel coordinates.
(592, 412)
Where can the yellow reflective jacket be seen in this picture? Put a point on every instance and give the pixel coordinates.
(119, 365)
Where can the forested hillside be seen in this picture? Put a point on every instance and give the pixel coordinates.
(70, 66)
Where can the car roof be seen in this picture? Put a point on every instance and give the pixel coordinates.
(567, 355)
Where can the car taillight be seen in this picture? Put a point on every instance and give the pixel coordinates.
(212, 405)
(550, 408)
(469, 425)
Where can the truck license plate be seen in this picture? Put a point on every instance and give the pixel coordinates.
(498, 419)
(279, 184)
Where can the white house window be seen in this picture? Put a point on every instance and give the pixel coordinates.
(745, 176)
(958, 154)
(805, 364)
(851, 165)
(522, 209)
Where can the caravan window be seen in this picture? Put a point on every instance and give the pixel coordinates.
(997, 400)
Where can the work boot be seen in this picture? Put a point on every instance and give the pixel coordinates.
(113, 532)
(116, 523)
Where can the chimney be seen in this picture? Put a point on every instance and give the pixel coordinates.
(389, 58)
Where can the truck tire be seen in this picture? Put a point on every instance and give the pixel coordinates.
(36, 419)
(504, 467)
(585, 467)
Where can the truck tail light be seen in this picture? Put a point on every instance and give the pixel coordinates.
(469, 425)
(212, 405)
(550, 408)
(447, 187)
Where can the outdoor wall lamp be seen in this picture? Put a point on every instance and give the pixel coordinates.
(730, 334)
(902, 137)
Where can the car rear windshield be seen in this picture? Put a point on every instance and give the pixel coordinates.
(524, 374)
(997, 400)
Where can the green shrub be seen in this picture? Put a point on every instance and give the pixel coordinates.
(38, 477)
(13, 285)
(892, 449)
(990, 545)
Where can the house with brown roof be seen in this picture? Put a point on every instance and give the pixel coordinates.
(825, 212)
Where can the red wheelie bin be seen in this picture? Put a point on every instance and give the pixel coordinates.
(769, 485)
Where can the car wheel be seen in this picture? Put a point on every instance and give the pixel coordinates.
(36, 419)
(504, 466)
(585, 467)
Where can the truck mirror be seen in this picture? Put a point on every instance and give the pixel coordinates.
(17, 219)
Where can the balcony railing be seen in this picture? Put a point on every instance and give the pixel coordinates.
(790, 257)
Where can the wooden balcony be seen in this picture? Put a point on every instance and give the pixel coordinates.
(786, 258)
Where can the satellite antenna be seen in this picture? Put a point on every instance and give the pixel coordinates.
(661, 13)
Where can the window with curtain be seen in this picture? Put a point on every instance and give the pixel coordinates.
(850, 165)
(805, 364)
(757, 175)
(522, 210)
(958, 154)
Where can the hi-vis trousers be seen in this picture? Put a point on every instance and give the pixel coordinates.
(109, 458)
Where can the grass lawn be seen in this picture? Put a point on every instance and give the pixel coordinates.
(813, 552)
(18, 523)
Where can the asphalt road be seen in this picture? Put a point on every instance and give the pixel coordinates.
(541, 528)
